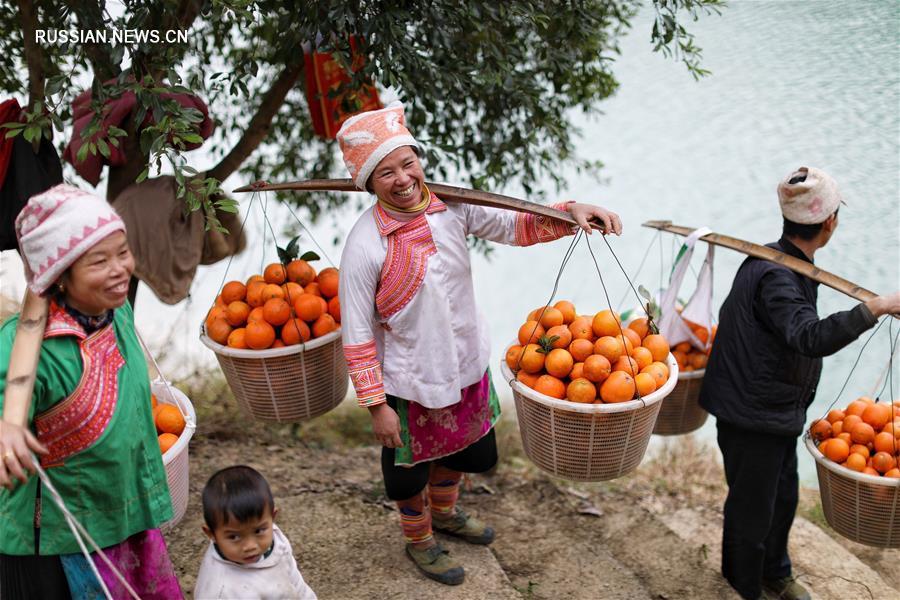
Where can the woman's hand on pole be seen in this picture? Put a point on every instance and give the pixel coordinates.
(386, 425)
(16, 446)
(584, 213)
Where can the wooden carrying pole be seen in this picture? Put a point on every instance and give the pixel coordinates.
(794, 264)
(445, 192)
(23, 359)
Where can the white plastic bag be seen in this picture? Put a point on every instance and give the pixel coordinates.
(699, 308)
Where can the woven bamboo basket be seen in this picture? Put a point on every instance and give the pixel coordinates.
(286, 385)
(681, 412)
(176, 460)
(863, 508)
(586, 442)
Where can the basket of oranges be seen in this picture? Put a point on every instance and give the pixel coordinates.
(175, 421)
(856, 454)
(277, 339)
(681, 411)
(587, 390)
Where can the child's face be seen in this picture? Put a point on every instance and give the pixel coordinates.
(244, 542)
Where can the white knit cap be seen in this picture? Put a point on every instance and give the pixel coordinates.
(56, 227)
(368, 137)
(809, 201)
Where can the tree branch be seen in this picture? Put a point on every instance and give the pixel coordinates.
(90, 16)
(259, 124)
(182, 18)
(34, 56)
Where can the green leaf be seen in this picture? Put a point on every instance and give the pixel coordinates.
(644, 293)
(309, 256)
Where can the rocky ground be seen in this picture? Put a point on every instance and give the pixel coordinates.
(654, 534)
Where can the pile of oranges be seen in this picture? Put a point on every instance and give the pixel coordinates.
(588, 359)
(864, 437)
(286, 305)
(690, 358)
(169, 423)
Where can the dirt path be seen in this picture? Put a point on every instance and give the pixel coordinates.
(642, 536)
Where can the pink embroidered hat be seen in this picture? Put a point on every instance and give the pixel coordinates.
(57, 227)
(811, 200)
(368, 137)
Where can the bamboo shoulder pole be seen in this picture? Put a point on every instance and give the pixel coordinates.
(23, 359)
(794, 264)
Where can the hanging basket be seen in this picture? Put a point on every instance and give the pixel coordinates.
(285, 385)
(681, 412)
(863, 508)
(586, 442)
(176, 460)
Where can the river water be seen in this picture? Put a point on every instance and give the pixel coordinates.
(793, 83)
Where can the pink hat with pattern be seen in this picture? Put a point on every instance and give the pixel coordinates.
(57, 227)
(808, 196)
(368, 137)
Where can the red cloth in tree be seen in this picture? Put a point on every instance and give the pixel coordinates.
(9, 111)
(115, 112)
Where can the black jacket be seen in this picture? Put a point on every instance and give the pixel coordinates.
(766, 360)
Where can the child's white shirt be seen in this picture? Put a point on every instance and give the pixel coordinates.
(271, 578)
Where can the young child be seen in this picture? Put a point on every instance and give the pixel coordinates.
(248, 556)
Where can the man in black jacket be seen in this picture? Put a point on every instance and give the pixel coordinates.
(761, 378)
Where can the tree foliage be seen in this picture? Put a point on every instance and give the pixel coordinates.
(490, 87)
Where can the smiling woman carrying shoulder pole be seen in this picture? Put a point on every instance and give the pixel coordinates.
(415, 343)
(89, 416)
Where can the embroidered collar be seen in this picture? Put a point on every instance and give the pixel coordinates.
(88, 323)
(388, 224)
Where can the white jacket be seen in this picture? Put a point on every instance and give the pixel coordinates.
(273, 578)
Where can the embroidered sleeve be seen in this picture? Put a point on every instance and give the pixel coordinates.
(365, 373)
(514, 228)
(358, 283)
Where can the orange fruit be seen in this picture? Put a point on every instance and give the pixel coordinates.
(259, 335)
(530, 332)
(512, 357)
(291, 290)
(835, 415)
(300, 272)
(581, 329)
(698, 360)
(609, 347)
(659, 375)
(275, 273)
(645, 384)
(577, 371)
(856, 407)
(271, 290)
(627, 364)
(567, 309)
(837, 428)
(681, 358)
(633, 337)
(640, 326)
(877, 415)
(870, 471)
(663, 366)
(153, 401)
(837, 450)
(535, 314)
(253, 278)
(550, 386)
(596, 368)
(528, 379)
(860, 449)
(233, 290)
(168, 419)
(657, 345)
(236, 338)
(885, 442)
(855, 462)
(581, 390)
(551, 317)
(618, 387)
(642, 356)
(684, 347)
(851, 421)
(328, 282)
(295, 331)
(256, 315)
(277, 344)
(166, 441)
(334, 308)
(563, 335)
(580, 349)
(862, 433)
(883, 462)
(276, 311)
(820, 430)
(893, 473)
(218, 331)
(308, 307)
(237, 312)
(845, 436)
(254, 293)
(313, 288)
(702, 334)
(324, 324)
(606, 322)
(532, 361)
(216, 312)
(559, 363)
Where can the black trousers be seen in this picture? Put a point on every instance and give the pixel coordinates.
(27, 577)
(401, 483)
(763, 489)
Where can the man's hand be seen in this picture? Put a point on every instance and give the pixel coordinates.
(386, 425)
(883, 305)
